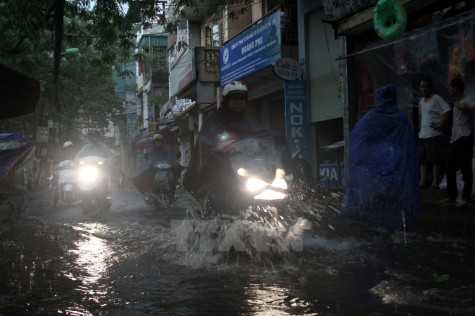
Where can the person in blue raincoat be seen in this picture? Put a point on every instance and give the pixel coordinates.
(383, 188)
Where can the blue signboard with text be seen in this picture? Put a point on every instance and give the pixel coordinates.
(251, 51)
(296, 117)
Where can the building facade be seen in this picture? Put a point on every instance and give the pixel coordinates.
(437, 43)
(198, 73)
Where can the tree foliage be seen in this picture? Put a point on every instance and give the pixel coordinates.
(79, 89)
(85, 89)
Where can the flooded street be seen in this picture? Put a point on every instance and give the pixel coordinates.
(131, 260)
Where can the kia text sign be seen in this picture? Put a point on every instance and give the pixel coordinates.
(251, 51)
(296, 115)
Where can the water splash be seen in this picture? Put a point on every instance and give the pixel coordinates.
(260, 235)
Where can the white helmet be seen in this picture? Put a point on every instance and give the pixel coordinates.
(67, 144)
(158, 136)
(234, 87)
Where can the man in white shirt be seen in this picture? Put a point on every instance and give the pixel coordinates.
(434, 112)
(460, 152)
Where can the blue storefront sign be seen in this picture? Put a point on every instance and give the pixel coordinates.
(251, 51)
(331, 175)
(296, 116)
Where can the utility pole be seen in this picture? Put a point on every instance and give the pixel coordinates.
(58, 47)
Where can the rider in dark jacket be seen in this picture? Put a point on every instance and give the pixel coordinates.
(157, 154)
(220, 129)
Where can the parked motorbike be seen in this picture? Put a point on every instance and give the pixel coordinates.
(163, 193)
(93, 184)
(249, 174)
(64, 182)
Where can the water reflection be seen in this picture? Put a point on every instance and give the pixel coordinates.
(275, 300)
(92, 258)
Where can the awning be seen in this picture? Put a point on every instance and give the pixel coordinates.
(176, 115)
(19, 93)
(444, 25)
(336, 145)
(166, 107)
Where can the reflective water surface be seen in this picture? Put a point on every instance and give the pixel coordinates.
(134, 260)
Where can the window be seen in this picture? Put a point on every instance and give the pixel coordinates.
(208, 38)
(216, 35)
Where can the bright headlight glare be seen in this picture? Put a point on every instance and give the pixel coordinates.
(270, 195)
(254, 184)
(88, 174)
(280, 183)
(242, 172)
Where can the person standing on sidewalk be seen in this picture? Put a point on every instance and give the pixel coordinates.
(434, 113)
(382, 191)
(460, 152)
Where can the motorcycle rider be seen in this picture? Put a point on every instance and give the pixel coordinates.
(95, 147)
(66, 154)
(68, 151)
(158, 153)
(220, 129)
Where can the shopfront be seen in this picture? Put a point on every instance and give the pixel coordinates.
(438, 44)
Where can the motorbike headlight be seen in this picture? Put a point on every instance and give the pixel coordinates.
(88, 174)
(280, 184)
(242, 172)
(254, 184)
(270, 194)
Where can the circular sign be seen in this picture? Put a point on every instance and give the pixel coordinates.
(287, 68)
(226, 56)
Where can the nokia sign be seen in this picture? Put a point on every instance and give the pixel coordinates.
(296, 115)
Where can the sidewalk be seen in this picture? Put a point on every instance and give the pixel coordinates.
(445, 218)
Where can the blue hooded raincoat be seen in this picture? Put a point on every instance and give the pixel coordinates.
(383, 190)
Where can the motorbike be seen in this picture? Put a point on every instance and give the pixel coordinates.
(250, 174)
(163, 193)
(64, 182)
(245, 202)
(93, 184)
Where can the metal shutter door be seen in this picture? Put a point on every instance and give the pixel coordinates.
(323, 71)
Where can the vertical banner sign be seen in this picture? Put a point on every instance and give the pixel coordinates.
(296, 116)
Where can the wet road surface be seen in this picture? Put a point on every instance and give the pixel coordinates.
(137, 260)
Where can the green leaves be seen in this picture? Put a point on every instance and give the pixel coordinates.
(85, 85)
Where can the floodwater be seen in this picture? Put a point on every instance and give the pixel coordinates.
(136, 260)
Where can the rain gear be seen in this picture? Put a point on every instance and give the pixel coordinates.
(15, 150)
(95, 149)
(208, 166)
(383, 190)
